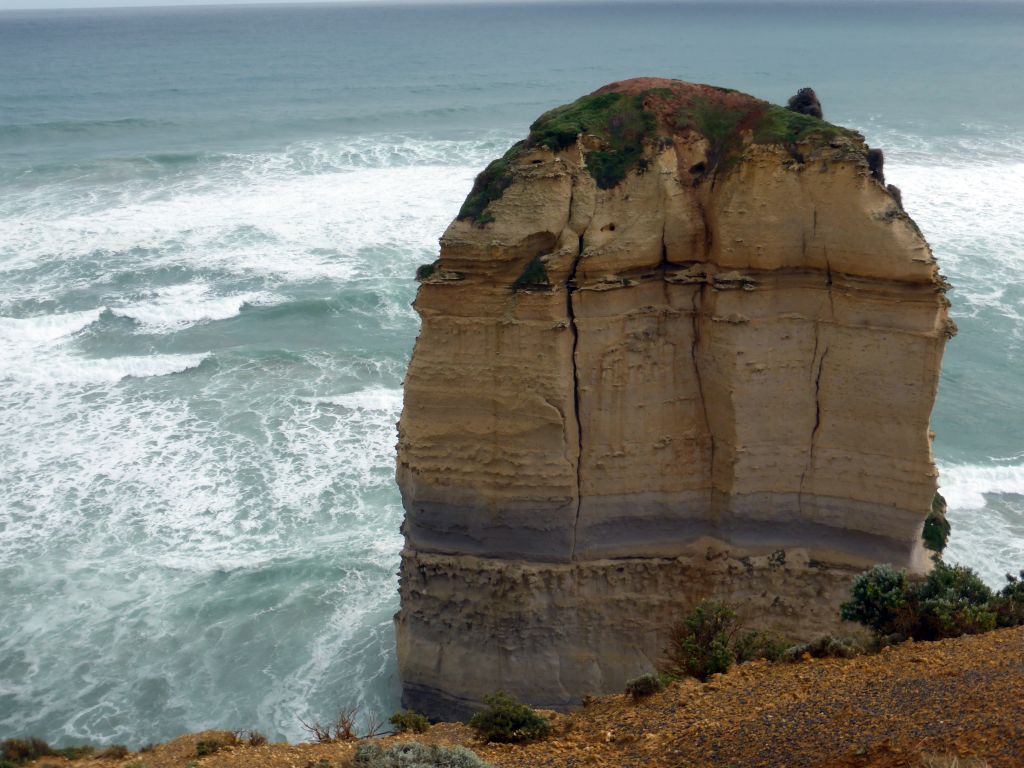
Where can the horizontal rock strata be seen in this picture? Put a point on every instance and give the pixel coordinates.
(679, 344)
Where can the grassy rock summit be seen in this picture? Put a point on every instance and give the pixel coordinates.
(680, 343)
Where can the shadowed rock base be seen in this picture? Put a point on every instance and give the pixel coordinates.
(553, 633)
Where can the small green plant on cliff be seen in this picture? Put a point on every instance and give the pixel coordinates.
(951, 601)
(410, 722)
(19, 751)
(646, 685)
(825, 647)
(779, 125)
(621, 123)
(489, 185)
(424, 271)
(533, 278)
(936, 526)
(1009, 603)
(701, 644)
(507, 720)
(710, 639)
(414, 755)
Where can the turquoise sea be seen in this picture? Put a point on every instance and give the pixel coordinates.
(209, 223)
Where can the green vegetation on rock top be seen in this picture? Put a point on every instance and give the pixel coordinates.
(624, 123)
(779, 125)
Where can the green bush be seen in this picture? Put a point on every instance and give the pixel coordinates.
(208, 747)
(879, 601)
(825, 647)
(24, 750)
(758, 645)
(701, 644)
(533, 278)
(936, 526)
(645, 685)
(506, 720)
(1009, 603)
(409, 722)
(710, 639)
(950, 602)
(414, 755)
(489, 185)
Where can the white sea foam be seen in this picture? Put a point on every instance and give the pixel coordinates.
(985, 512)
(45, 328)
(372, 399)
(70, 369)
(180, 306)
(964, 486)
(281, 216)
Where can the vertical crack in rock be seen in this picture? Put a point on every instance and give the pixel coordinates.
(820, 360)
(698, 307)
(570, 290)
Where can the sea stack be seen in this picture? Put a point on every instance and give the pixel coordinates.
(680, 343)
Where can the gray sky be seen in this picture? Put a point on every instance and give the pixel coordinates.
(6, 5)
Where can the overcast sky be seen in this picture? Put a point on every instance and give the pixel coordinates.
(43, 4)
(6, 5)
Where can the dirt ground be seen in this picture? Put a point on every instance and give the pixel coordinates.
(907, 706)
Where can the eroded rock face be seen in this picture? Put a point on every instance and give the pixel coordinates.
(680, 343)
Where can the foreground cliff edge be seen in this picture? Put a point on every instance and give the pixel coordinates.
(679, 343)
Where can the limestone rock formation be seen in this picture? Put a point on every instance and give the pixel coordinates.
(680, 343)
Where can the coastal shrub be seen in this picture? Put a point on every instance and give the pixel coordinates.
(755, 644)
(711, 638)
(951, 601)
(507, 720)
(936, 526)
(779, 125)
(805, 101)
(424, 271)
(1009, 603)
(343, 728)
(409, 722)
(879, 600)
(488, 186)
(415, 755)
(619, 120)
(825, 647)
(534, 277)
(646, 685)
(702, 643)
(24, 750)
(252, 738)
(208, 747)
(113, 752)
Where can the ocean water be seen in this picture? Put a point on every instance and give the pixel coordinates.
(209, 223)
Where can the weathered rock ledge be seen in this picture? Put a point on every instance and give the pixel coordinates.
(679, 343)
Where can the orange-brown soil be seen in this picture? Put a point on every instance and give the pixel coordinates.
(955, 697)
